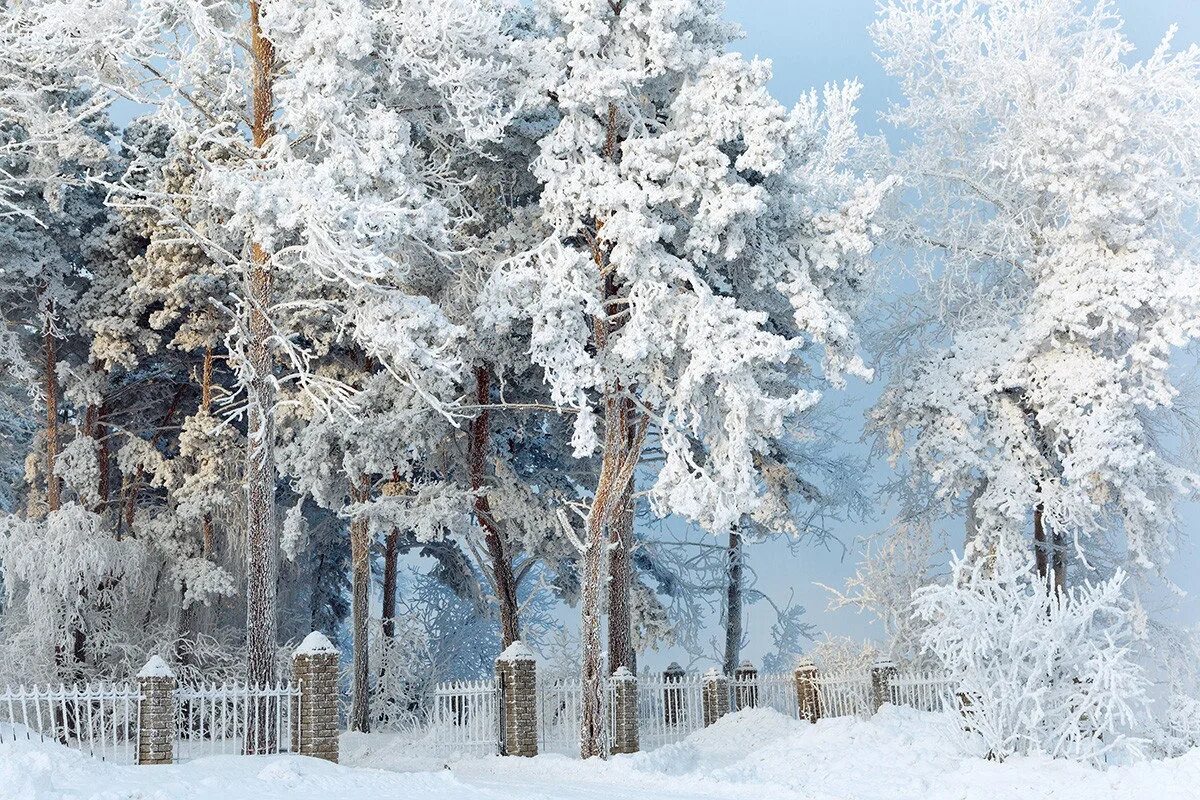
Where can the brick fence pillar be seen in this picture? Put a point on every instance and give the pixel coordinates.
(882, 673)
(156, 713)
(315, 715)
(745, 686)
(516, 671)
(673, 695)
(625, 717)
(808, 697)
(715, 696)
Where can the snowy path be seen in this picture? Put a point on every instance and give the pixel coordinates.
(761, 755)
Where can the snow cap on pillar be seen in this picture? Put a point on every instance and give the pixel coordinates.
(156, 668)
(315, 642)
(517, 651)
(622, 673)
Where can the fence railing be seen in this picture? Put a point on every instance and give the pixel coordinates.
(669, 708)
(846, 694)
(465, 717)
(924, 691)
(98, 718)
(235, 718)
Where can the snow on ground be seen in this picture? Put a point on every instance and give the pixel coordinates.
(760, 755)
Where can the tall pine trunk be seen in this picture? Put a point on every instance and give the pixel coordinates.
(620, 571)
(733, 602)
(391, 547)
(620, 579)
(502, 572)
(622, 450)
(207, 535)
(261, 533)
(50, 346)
(360, 566)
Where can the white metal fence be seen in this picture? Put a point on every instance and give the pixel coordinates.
(233, 718)
(669, 708)
(465, 718)
(98, 718)
(845, 695)
(925, 691)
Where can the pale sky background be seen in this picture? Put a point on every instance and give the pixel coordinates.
(811, 42)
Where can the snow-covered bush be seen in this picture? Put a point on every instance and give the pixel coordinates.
(1038, 670)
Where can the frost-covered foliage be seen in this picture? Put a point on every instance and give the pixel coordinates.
(894, 565)
(1054, 185)
(661, 280)
(1038, 670)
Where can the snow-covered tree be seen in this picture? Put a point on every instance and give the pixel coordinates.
(1052, 190)
(680, 204)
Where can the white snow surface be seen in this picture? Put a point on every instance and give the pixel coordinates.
(898, 755)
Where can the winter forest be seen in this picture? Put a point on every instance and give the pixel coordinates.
(453, 328)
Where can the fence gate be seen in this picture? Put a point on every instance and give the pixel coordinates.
(466, 717)
(235, 718)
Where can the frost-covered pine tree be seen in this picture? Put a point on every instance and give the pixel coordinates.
(333, 176)
(1053, 185)
(679, 205)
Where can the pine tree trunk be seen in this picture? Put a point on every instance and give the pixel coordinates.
(261, 533)
(360, 565)
(103, 458)
(621, 454)
(502, 572)
(733, 602)
(207, 535)
(391, 547)
(1060, 562)
(620, 581)
(1041, 550)
(622, 451)
(591, 728)
(51, 389)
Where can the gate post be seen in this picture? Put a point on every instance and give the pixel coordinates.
(881, 679)
(315, 722)
(808, 698)
(715, 696)
(745, 686)
(156, 713)
(625, 717)
(516, 672)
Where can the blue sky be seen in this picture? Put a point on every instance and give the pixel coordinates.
(811, 42)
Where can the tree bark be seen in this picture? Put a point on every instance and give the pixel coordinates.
(391, 547)
(733, 602)
(360, 565)
(51, 389)
(207, 535)
(261, 533)
(620, 573)
(502, 571)
(1041, 551)
(1060, 562)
